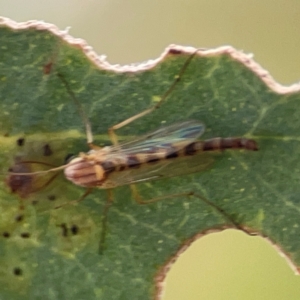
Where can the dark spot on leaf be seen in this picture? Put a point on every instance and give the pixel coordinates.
(6, 134)
(25, 184)
(175, 51)
(47, 68)
(51, 197)
(18, 271)
(6, 234)
(47, 150)
(25, 235)
(64, 229)
(20, 142)
(19, 218)
(20, 184)
(34, 202)
(74, 229)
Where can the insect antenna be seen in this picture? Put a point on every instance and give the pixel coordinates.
(108, 204)
(54, 169)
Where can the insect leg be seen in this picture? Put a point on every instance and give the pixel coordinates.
(87, 192)
(111, 130)
(104, 220)
(137, 197)
(222, 212)
(139, 200)
(87, 124)
(104, 214)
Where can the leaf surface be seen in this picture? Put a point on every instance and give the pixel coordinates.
(55, 251)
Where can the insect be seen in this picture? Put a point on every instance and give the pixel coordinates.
(169, 151)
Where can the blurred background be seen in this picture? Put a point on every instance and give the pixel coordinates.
(230, 264)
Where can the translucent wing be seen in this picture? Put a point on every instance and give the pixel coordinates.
(163, 139)
(168, 140)
(163, 169)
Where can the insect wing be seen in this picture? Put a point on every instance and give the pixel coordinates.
(158, 144)
(162, 140)
(163, 169)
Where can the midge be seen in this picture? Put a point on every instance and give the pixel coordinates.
(170, 151)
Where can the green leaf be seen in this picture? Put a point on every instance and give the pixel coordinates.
(53, 253)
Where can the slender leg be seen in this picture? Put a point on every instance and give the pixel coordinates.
(87, 192)
(139, 200)
(104, 220)
(111, 130)
(20, 216)
(87, 124)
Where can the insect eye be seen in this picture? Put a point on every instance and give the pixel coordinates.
(68, 158)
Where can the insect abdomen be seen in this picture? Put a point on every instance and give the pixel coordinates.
(215, 144)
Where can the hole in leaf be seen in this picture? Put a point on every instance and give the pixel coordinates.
(237, 264)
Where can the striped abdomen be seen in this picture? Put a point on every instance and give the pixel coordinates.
(97, 169)
(220, 144)
(179, 150)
